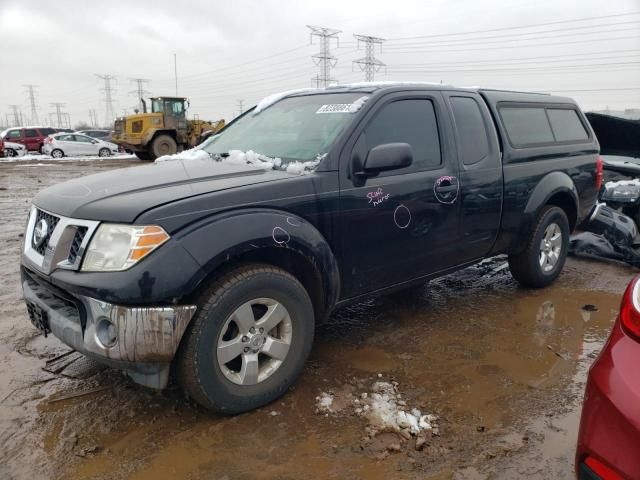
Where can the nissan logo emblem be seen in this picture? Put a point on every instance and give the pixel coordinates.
(40, 233)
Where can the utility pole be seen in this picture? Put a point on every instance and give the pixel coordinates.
(32, 101)
(140, 92)
(108, 97)
(58, 113)
(240, 107)
(16, 117)
(369, 64)
(175, 70)
(323, 59)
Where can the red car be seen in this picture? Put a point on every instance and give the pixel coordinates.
(30, 137)
(609, 437)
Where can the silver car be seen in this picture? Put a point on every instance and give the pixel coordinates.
(61, 145)
(12, 149)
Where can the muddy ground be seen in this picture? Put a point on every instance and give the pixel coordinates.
(502, 367)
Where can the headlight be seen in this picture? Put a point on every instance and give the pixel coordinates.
(118, 247)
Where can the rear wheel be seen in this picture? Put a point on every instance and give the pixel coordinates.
(163, 145)
(249, 340)
(104, 152)
(57, 153)
(541, 262)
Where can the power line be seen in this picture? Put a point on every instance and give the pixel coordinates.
(32, 101)
(563, 30)
(532, 25)
(369, 64)
(324, 59)
(108, 98)
(474, 41)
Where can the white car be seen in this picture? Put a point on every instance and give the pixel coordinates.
(12, 149)
(61, 145)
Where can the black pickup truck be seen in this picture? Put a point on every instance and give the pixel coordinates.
(219, 262)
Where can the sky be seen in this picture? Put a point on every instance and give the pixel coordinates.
(243, 50)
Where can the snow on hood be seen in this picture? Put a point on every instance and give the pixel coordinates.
(249, 159)
(276, 97)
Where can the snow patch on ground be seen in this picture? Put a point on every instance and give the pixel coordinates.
(383, 408)
(276, 97)
(30, 157)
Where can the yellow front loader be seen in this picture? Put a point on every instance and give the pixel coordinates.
(163, 131)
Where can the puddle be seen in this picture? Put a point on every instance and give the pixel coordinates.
(501, 367)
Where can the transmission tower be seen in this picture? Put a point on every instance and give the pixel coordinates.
(369, 64)
(32, 101)
(324, 60)
(59, 114)
(108, 97)
(16, 115)
(139, 92)
(240, 107)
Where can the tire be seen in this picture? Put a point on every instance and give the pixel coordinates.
(104, 152)
(10, 152)
(531, 268)
(144, 156)
(57, 153)
(221, 387)
(163, 145)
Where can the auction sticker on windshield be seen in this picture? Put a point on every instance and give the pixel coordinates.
(335, 108)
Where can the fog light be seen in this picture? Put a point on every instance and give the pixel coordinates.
(106, 333)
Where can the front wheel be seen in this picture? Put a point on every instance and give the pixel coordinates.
(10, 152)
(104, 152)
(541, 262)
(163, 145)
(249, 340)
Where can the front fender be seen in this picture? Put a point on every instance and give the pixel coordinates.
(148, 135)
(228, 236)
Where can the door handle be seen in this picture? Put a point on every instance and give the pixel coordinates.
(446, 189)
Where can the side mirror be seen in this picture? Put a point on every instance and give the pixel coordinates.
(388, 156)
(94, 141)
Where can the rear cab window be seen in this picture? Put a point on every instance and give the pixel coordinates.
(471, 129)
(30, 133)
(542, 125)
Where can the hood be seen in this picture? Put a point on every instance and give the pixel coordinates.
(121, 195)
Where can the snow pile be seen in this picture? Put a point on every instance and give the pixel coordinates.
(276, 97)
(385, 411)
(622, 183)
(324, 403)
(192, 154)
(252, 159)
(383, 408)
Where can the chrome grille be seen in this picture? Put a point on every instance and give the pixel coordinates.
(51, 222)
(76, 244)
(64, 245)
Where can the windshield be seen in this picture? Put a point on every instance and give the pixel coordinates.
(295, 128)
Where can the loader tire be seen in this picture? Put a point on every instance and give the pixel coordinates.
(163, 145)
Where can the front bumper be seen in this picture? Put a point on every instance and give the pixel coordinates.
(142, 341)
